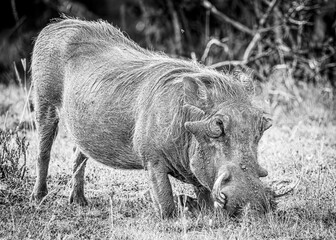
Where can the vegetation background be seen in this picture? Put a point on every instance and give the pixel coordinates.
(288, 47)
(262, 34)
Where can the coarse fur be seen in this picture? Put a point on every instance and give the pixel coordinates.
(128, 107)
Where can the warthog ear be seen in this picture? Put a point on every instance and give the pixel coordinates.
(262, 172)
(195, 93)
(266, 123)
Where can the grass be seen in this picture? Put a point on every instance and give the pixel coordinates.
(301, 146)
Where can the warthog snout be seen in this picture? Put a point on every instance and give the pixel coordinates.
(235, 188)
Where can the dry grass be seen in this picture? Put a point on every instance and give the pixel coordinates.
(300, 146)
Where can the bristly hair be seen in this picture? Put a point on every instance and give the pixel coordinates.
(157, 81)
(165, 87)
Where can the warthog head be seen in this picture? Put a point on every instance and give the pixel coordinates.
(224, 156)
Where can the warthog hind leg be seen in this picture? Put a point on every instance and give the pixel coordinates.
(47, 127)
(77, 192)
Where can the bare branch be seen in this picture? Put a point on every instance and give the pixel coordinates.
(268, 12)
(176, 25)
(14, 10)
(227, 63)
(240, 63)
(250, 47)
(276, 27)
(299, 23)
(256, 9)
(225, 18)
(257, 36)
(261, 55)
(213, 41)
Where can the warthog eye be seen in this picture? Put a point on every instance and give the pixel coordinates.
(215, 128)
(217, 125)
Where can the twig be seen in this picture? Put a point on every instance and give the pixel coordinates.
(227, 63)
(299, 34)
(261, 55)
(15, 13)
(257, 36)
(329, 65)
(278, 35)
(207, 23)
(272, 28)
(206, 4)
(176, 25)
(299, 23)
(256, 8)
(241, 62)
(268, 12)
(213, 41)
(251, 45)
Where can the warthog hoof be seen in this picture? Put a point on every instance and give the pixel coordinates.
(37, 198)
(78, 198)
(38, 194)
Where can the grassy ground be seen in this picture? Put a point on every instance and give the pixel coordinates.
(301, 146)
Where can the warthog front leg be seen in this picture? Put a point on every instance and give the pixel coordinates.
(161, 190)
(77, 192)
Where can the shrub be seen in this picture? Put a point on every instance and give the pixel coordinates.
(13, 155)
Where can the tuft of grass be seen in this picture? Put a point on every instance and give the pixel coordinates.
(13, 155)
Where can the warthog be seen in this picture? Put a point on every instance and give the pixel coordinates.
(132, 108)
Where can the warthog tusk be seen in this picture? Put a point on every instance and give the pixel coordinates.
(222, 196)
(287, 190)
(224, 176)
